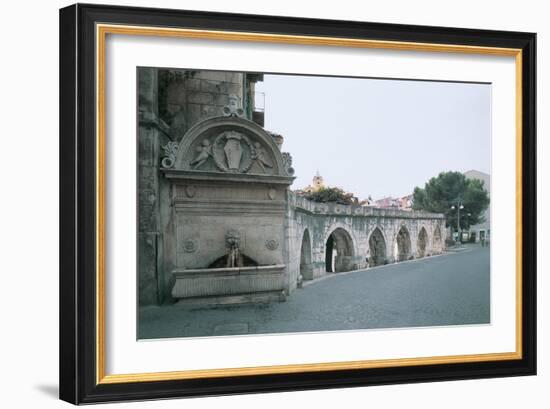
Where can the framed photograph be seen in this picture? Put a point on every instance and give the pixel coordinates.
(257, 203)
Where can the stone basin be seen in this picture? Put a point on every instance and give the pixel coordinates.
(230, 285)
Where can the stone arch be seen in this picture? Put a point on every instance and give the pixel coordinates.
(203, 135)
(339, 251)
(422, 242)
(403, 244)
(437, 244)
(377, 248)
(306, 266)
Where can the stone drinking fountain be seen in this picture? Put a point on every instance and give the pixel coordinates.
(226, 239)
(233, 278)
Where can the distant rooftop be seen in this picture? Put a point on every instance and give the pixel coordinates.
(484, 177)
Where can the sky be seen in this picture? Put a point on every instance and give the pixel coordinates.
(378, 137)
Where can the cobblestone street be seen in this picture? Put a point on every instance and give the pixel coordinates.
(450, 289)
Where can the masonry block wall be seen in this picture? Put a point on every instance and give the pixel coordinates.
(187, 97)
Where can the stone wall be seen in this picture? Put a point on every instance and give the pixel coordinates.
(202, 220)
(190, 96)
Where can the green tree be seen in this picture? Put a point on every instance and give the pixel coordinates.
(453, 189)
(332, 194)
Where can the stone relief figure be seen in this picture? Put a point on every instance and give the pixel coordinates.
(204, 152)
(234, 257)
(261, 157)
(233, 108)
(233, 150)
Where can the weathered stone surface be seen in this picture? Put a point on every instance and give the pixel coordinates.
(211, 75)
(200, 97)
(194, 84)
(211, 86)
(147, 90)
(221, 99)
(209, 111)
(147, 268)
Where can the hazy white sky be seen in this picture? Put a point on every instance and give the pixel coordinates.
(378, 137)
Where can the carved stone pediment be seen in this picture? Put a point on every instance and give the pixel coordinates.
(229, 145)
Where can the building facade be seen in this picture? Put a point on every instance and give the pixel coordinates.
(403, 203)
(481, 232)
(317, 184)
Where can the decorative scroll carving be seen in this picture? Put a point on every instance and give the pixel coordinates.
(287, 164)
(170, 150)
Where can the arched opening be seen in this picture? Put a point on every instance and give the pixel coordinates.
(422, 241)
(403, 241)
(339, 252)
(306, 268)
(377, 248)
(437, 240)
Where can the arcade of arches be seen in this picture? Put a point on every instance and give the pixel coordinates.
(331, 238)
(340, 248)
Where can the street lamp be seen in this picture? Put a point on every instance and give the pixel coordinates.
(459, 206)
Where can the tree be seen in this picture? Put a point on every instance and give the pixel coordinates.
(332, 194)
(452, 189)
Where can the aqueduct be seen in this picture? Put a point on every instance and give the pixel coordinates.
(332, 238)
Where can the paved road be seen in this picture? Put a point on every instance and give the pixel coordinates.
(445, 290)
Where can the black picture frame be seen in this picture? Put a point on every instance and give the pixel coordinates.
(78, 236)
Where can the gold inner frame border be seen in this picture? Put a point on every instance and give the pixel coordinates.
(102, 30)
